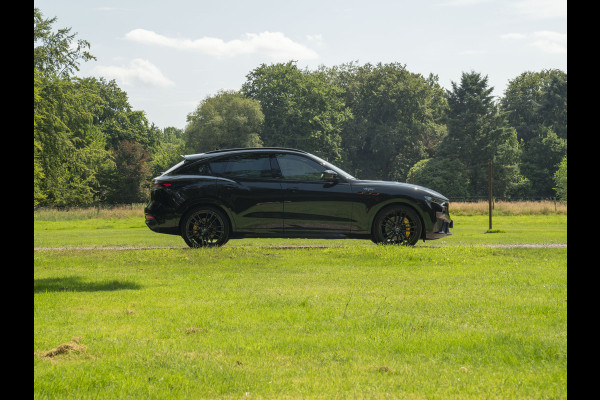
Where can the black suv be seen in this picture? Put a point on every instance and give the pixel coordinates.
(211, 197)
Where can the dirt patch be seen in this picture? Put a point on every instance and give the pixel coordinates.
(194, 330)
(63, 349)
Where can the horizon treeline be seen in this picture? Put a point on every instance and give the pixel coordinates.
(374, 121)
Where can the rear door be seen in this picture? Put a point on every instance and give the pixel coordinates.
(247, 186)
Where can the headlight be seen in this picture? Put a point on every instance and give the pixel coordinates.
(436, 200)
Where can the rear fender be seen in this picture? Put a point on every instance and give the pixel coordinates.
(207, 202)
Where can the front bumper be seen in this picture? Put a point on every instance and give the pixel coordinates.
(441, 227)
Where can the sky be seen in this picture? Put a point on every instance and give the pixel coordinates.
(168, 56)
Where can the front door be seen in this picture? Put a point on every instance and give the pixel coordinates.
(310, 204)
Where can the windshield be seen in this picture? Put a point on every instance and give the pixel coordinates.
(334, 168)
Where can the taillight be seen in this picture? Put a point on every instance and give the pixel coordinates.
(161, 184)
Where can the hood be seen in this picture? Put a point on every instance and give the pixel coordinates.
(398, 185)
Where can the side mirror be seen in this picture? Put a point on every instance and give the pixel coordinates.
(329, 175)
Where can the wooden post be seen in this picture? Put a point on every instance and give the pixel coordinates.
(490, 191)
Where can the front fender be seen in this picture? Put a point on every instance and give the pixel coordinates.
(372, 212)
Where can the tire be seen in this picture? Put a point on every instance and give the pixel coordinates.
(205, 227)
(398, 225)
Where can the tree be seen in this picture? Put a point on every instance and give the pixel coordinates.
(38, 171)
(68, 149)
(536, 106)
(541, 159)
(168, 152)
(477, 133)
(76, 122)
(115, 116)
(396, 118)
(535, 99)
(302, 109)
(226, 120)
(443, 175)
(129, 178)
(56, 53)
(560, 180)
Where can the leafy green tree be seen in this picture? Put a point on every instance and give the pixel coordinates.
(38, 172)
(477, 133)
(396, 118)
(553, 107)
(76, 122)
(169, 150)
(226, 120)
(302, 109)
(560, 180)
(535, 99)
(444, 175)
(541, 159)
(68, 149)
(115, 116)
(536, 105)
(56, 53)
(129, 179)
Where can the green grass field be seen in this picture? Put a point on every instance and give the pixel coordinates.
(447, 319)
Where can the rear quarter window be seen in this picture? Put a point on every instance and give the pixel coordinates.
(198, 168)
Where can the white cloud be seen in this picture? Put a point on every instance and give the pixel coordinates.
(471, 52)
(272, 44)
(463, 3)
(138, 70)
(318, 38)
(550, 42)
(546, 41)
(513, 36)
(542, 8)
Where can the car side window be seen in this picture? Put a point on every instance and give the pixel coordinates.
(253, 166)
(193, 169)
(299, 168)
(217, 167)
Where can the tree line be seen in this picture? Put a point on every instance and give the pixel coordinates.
(375, 121)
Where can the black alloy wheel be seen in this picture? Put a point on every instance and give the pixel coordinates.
(205, 227)
(397, 225)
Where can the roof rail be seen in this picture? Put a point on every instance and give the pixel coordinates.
(253, 148)
(190, 157)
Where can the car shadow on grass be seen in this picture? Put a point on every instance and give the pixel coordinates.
(77, 284)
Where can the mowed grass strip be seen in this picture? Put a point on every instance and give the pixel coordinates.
(468, 230)
(342, 322)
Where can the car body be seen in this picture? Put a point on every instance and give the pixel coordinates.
(211, 197)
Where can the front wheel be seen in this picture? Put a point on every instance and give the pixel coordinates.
(205, 227)
(397, 225)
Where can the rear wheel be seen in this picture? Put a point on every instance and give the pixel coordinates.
(205, 227)
(397, 225)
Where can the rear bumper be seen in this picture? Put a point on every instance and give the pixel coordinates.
(441, 227)
(159, 221)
